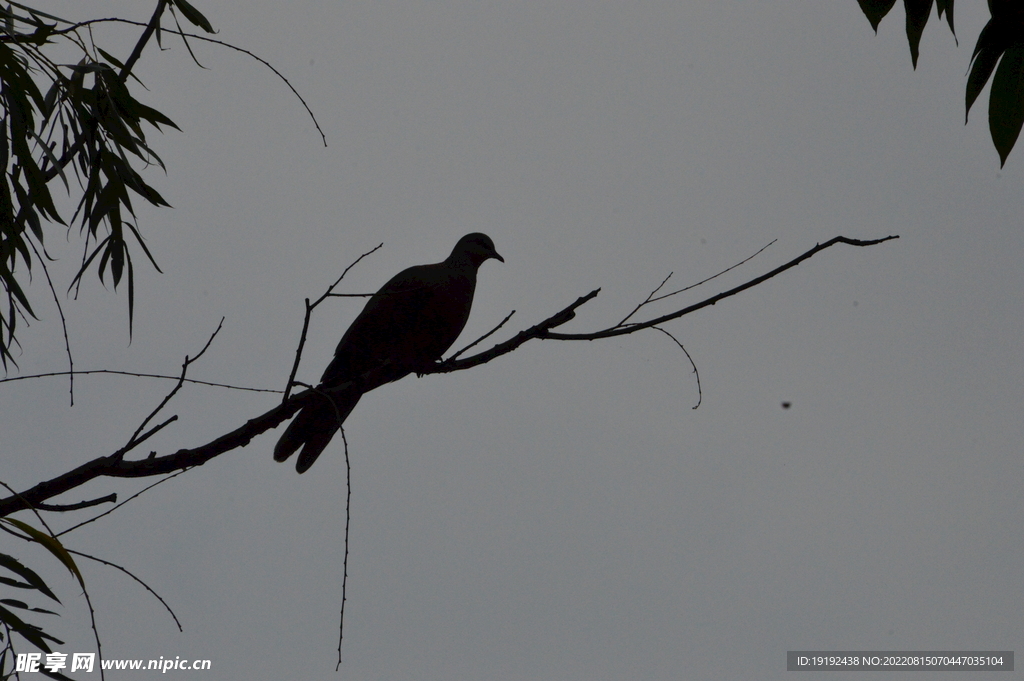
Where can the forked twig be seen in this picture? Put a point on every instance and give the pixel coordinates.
(309, 314)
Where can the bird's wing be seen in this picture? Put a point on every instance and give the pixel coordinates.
(409, 322)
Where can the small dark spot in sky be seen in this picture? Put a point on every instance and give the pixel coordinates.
(787, 405)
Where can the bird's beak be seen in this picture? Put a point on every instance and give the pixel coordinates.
(498, 257)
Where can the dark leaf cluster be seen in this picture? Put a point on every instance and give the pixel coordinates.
(26, 582)
(78, 120)
(1000, 49)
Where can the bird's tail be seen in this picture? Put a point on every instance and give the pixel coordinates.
(313, 428)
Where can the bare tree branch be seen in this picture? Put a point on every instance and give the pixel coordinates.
(115, 466)
(135, 439)
(64, 508)
(632, 328)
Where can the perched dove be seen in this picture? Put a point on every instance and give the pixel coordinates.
(406, 325)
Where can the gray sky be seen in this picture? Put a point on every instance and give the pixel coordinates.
(562, 512)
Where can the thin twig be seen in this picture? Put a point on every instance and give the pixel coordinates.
(175, 389)
(715, 276)
(344, 562)
(95, 632)
(298, 353)
(136, 441)
(651, 299)
(127, 572)
(111, 510)
(63, 322)
(328, 395)
(700, 394)
(481, 338)
(354, 263)
(138, 375)
(646, 300)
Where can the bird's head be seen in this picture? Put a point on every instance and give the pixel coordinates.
(476, 248)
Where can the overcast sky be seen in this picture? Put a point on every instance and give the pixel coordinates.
(561, 512)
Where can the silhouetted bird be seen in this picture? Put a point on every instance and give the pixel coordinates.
(406, 325)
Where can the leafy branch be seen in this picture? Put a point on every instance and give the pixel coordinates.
(81, 120)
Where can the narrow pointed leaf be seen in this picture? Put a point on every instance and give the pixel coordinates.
(14, 289)
(1006, 102)
(946, 6)
(194, 15)
(35, 11)
(51, 544)
(117, 62)
(984, 63)
(34, 580)
(53, 159)
(142, 243)
(31, 633)
(154, 116)
(88, 261)
(116, 246)
(131, 296)
(22, 605)
(875, 10)
(89, 66)
(918, 12)
(51, 97)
